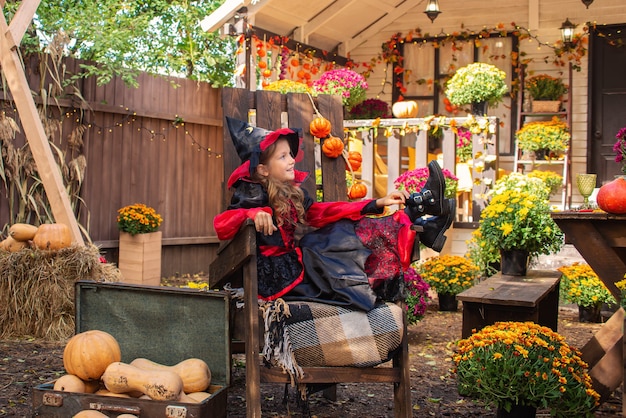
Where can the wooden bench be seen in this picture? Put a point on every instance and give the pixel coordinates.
(534, 297)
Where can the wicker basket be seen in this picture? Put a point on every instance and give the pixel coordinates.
(551, 106)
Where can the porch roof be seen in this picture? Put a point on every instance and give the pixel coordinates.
(337, 26)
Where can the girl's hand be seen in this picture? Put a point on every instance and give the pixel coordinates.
(397, 197)
(264, 223)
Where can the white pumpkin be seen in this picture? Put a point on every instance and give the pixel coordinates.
(405, 109)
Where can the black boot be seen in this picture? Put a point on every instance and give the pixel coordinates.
(430, 200)
(435, 226)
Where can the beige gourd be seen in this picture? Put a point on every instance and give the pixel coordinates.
(90, 414)
(161, 385)
(12, 245)
(22, 232)
(194, 372)
(69, 383)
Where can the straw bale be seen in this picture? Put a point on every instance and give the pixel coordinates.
(37, 289)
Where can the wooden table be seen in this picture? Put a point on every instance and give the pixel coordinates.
(533, 297)
(600, 238)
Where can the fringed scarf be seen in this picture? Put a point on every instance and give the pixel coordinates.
(277, 350)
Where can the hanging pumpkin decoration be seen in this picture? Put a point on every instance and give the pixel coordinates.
(320, 127)
(354, 160)
(357, 191)
(404, 109)
(332, 147)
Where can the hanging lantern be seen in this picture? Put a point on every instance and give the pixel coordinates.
(567, 32)
(587, 3)
(432, 10)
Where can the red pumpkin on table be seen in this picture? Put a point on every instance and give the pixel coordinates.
(612, 197)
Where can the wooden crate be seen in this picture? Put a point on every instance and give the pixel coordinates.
(140, 258)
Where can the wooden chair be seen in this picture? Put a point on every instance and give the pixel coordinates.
(236, 259)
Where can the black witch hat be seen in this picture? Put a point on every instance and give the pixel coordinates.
(250, 141)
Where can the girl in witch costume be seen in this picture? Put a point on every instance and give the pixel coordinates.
(351, 260)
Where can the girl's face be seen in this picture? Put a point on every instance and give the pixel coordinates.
(280, 165)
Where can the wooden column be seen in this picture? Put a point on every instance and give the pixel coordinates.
(46, 165)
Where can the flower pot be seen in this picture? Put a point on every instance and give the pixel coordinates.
(447, 302)
(480, 108)
(140, 258)
(514, 262)
(517, 411)
(591, 314)
(547, 106)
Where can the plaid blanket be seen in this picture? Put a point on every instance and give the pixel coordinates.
(327, 335)
(317, 334)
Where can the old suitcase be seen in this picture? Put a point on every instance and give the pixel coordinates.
(163, 324)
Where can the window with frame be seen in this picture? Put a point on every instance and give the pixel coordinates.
(429, 63)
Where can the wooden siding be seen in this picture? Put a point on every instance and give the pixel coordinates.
(136, 153)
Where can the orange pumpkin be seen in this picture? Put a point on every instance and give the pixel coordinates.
(52, 236)
(332, 147)
(320, 127)
(354, 159)
(89, 353)
(357, 191)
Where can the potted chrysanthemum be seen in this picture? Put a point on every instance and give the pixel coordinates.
(582, 286)
(370, 109)
(548, 138)
(477, 83)
(348, 84)
(546, 92)
(552, 180)
(449, 275)
(523, 365)
(518, 223)
(140, 244)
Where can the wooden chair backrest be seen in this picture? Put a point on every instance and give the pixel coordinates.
(272, 110)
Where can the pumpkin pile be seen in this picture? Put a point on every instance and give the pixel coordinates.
(333, 147)
(51, 237)
(92, 360)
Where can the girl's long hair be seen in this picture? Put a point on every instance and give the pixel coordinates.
(281, 195)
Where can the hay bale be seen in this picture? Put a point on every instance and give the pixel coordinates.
(37, 289)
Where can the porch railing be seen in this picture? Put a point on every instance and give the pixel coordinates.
(403, 143)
